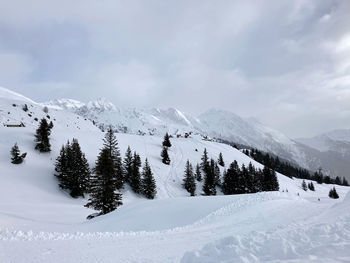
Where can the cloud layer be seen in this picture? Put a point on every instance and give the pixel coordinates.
(285, 62)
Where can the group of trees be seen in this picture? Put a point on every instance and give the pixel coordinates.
(333, 193)
(241, 180)
(291, 170)
(309, 186)
(107, 178)
(235, 180)
(72, 169)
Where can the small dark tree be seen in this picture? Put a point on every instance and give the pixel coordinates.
(209, 186)
(204, 163)
(42, 137)
(198, 174)
(221, 160)
(135, 179)
(304, 186)
(111, 144)
(311, 186)
(25, 107)
(103, 196)
(148, 182)
(166, 141)
(16, 158)
(128, 165)
(217, 174)
(270, 182)
(165, 156)
(189, 182)
(338, 180)
(333, 193)
(345, 182)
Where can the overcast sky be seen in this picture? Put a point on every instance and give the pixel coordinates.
(285, 62)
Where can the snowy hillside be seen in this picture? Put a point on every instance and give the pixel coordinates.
(41, 223)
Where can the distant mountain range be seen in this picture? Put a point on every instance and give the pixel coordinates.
(329, 151)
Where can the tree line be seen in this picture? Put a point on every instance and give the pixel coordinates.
(290, 170)
(235, 180)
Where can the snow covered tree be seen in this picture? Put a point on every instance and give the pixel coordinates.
(72, 169)
(127, 165)
(189, 181)
(135, 178)
(198, 174)
(16, 158)
(42, 136)
(103, 196)
(165, 156)
(333, 193)
(148, 182)
(221, 160)
(311, 186)
(209, 186)
(111, 144)
(166, 141)
(304, 186)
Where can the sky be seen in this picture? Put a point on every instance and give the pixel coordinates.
(286, 63)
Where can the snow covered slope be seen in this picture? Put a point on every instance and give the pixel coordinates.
(41, 223)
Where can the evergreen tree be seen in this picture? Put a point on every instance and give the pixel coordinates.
(270, 182)
(111, 144)
(198, 174)
(166, 142)
(250, 180)
(103, 196)
(217, 174)
(148, 182)
(189, 182)
(205, 162)
(242, 187)
(209, 186)
(345, 182)
(333, 193)
(230, 180)
(165, 156)
(311, 186)
(16, 158)
(128, 169)
(221, 160)
(304, 186)
(72, 169)
(257, 180)
(338, 180)
(135, 179)
(42, 136)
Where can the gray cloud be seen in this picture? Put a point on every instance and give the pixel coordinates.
(285, 62)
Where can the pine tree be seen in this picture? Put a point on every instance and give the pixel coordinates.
(257, 180)
(42, 136)
(311, 186)
(166, 142)
(16, 155)
(345, 182)
(103, 196)
(333, 193)
(217, 174)
(165, 156)
(230, 180)
(270, 182)
(243, 181)
(111, 144)
(304, 186)
(148, 182)
(221, 160)
(209, 187)
(135, 179)
(205, 162)
(189, 181)
(338, 180)
(198, 174)
(128, 165)
(72, 169)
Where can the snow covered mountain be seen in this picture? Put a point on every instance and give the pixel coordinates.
(41, 223)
